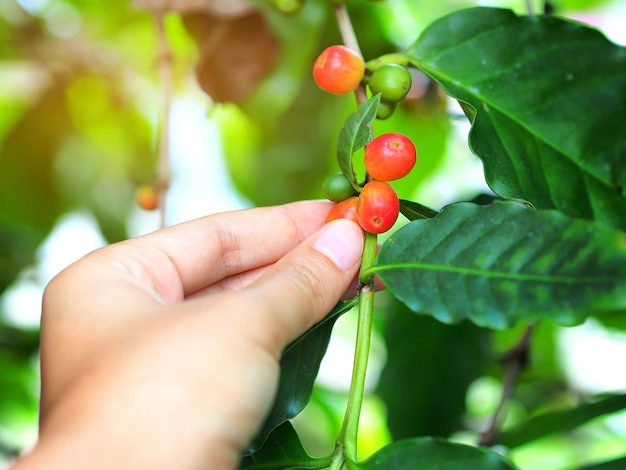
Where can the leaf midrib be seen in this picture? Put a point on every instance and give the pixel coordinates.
(521, 277)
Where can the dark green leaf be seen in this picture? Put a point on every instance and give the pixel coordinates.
(18, 243)
(617, 464)
(561, 421)
(549, 101)
(428, 369)
(501, 263)
(356, 133)
(434, 454)
(414, 210)
(299, 366)
(283, 450)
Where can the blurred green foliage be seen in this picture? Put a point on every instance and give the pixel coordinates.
(79, 96)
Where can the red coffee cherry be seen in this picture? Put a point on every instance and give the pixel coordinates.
(338, 70)
(378, 207)
(345, 209)
(389, 157)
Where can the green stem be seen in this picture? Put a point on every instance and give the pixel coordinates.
(370, 249)
(347, 441)
(394, 58)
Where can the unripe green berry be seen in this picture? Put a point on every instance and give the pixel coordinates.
(385, 110)
(337, 188)
(392, 81)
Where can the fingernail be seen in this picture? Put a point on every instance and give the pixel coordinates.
(341, 241)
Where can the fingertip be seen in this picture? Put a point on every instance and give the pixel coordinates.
(341, 241)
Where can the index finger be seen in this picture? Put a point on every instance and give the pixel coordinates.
(206, 250)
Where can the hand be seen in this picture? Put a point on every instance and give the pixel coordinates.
(163, 351)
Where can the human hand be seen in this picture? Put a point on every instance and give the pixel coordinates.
(163, 351)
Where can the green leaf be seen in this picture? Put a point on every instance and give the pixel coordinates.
(434, 454)
(617, 464)
(561, 421)
(283, 450)
(414, 210)
(548, 106)
(299, 366)
(356, 133)
(504, 262)
(428, 369)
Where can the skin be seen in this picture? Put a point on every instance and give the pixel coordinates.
(163, 351)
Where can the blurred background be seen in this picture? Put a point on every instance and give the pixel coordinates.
(81, 117)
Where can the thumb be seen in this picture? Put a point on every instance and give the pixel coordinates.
(301, 288)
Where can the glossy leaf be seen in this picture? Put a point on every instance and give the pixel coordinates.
(283, 450)
(502, 263)
(561, 421)
(355, 134)
(548, 106)
(415, 211)
(434, 454)
(299, 366)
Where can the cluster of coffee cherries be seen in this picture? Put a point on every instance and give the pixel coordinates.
(340, 70)
(375, 205)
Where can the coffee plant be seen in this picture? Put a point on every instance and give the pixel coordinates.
(471, 288)
(545, 98)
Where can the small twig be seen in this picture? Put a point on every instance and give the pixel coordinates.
(514, 360)
(346, 29)
(165, 76)
(529, 7)
(349, 40)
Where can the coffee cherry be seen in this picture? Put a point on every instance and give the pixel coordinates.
(385, 110)
(345, 209)
(378, 207)
(389, 157)
(337, 188)
(147, 198)
(338, 70)
(392, 81)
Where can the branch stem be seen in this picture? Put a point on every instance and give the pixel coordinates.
(346, 29)
(515, 360)
(346, 445)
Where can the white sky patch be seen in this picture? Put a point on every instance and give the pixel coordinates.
(593, 356)
(74, 235)
(200, 184)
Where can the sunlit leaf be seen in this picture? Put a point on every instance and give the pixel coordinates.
(355, 134)
(561, 421)
(298, 369)
(503, 263)
(283, 450)
(548, 106)
(434, 454)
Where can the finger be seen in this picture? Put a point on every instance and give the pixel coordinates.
(185, 258)
(302, 287)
